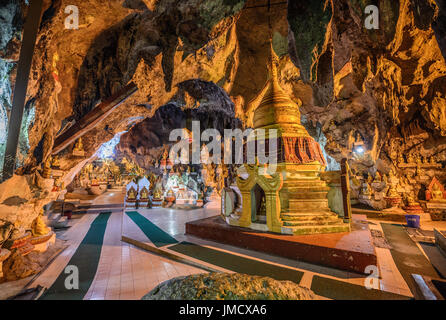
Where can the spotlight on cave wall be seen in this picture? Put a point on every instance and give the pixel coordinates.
(359, 150)
(107, 150)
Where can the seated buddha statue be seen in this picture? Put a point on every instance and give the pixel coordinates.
(47, 168)
(39, 227)
(418, 159)
(437, 193)
(131, 194)
(157, 194)
(144, 194)
(411, 200)
(432, 160)
(55, 163)
(78, 147)
(393, 193)
(400, 158)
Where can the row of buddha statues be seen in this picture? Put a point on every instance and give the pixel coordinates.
(162, 191)
(18, 240)
(392, 192)
(417, 160)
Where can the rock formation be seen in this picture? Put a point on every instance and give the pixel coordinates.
(235, 286)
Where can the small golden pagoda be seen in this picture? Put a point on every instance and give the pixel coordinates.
(293, 200)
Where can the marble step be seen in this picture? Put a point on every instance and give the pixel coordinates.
(308, 195)
(305, 184)
(301, 230)
(307, 204)
(330, 220)
(309, 216)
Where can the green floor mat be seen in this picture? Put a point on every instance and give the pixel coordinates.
(236, 263)
(340, 290)
(158, 237)
(407, 256)
(86, 259)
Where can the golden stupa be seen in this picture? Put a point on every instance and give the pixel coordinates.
(291, 190)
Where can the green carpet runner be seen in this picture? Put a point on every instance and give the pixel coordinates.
(158, 237)
(237, 263)
(407, 256)
(341, 290)
(86, 259)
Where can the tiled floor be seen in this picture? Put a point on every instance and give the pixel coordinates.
(124, 271)
(127, 272)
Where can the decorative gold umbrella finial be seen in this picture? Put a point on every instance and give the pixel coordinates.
(273, 61)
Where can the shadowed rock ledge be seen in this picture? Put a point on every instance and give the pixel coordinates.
(223, 286)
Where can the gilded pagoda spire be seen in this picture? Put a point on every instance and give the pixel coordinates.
(276, 110)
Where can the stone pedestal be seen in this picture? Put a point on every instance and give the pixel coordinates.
(416, 209)
(393, 205)
(130, 203)
(143, 203)
(42, 243)
(79, 153)
(157, 203)
(436, 205)
(22, 244)
(96, 190)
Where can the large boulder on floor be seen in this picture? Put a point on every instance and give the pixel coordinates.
(223, 286)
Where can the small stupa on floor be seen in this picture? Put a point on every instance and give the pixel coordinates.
(294, 199)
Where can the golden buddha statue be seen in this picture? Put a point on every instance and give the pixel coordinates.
(157, 194)
(55, 163)
(400, 158)
(392, 192)
(418, 159)
(47, 168)
(411, 200)
(39, 227)
(144, 194)
(410, 158)
(432, 160)
(131, 194)
(425, 160)
(79, 146)
(437, 193)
